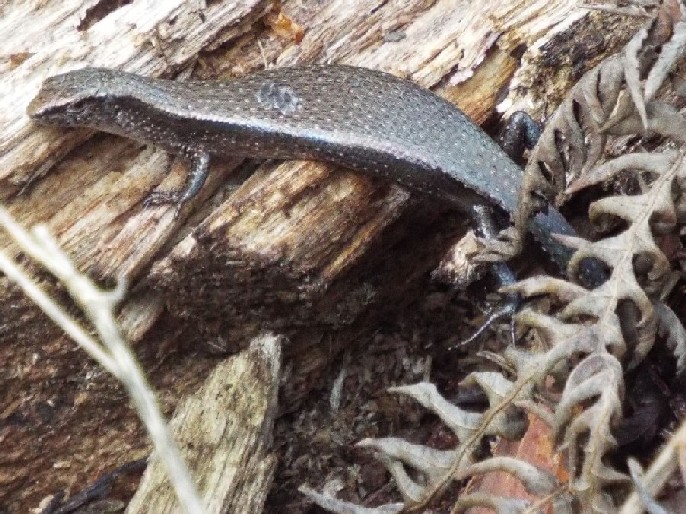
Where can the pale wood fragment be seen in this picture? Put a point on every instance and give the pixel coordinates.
(225, 434)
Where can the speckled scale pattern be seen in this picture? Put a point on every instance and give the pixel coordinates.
(359, 118)
(364, 119)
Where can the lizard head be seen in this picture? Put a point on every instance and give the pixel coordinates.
(72, 99)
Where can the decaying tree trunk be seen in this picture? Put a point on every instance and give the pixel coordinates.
(300, 248)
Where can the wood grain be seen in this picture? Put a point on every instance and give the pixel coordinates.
(225, 430)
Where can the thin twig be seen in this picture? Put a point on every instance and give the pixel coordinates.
(112, 353)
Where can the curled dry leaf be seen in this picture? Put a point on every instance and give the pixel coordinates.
(575, 136)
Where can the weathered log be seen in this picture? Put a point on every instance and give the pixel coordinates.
(218, 273)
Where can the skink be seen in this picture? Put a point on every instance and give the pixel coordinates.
(362, 119)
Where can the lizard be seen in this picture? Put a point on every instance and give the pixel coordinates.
(363, 119)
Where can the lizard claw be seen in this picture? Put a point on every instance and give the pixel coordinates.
(507, 310)
(157, 198)
(503, 247)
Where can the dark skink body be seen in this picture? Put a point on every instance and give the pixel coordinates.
(362, 119)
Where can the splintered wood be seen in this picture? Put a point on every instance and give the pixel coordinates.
(225, 431)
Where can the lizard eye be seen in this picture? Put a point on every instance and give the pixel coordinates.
(76, 109)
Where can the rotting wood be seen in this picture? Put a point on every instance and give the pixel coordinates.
(225, 431)
(91, 200)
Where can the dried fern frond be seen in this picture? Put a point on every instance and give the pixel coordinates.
(672, 458)
(593, 335)
(575, 136)
(590, 322)
(670, 327)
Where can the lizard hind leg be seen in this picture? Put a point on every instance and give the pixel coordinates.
(520, 133)
(519, 136)
(485, 228)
